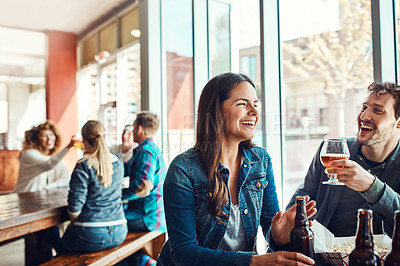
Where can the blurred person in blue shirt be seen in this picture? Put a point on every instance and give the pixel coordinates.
(146, 171)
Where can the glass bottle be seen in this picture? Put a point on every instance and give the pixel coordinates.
(393, 259)
(301, 236)
(363, 253)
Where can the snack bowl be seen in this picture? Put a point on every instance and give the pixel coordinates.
(339, 252)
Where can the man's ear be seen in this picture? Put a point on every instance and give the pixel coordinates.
(141, 130)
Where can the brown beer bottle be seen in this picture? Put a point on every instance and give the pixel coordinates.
(393, 259)
(301, 236)
(364, 253)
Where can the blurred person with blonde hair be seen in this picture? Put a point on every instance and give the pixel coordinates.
(94, 200)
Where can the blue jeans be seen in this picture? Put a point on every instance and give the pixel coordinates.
(89, 239)
(137, 225)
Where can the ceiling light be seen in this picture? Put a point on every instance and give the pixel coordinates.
(135, 33)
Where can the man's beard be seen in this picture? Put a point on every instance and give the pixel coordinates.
(377, 137)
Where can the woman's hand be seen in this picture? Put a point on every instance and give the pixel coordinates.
(71, 143)
(281, 258)
(283, 222)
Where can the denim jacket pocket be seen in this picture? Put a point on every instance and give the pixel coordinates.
(256, 185)
(203, 217)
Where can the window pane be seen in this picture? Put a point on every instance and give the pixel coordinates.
(108, 111)
(89, 47)
(108, 38)
(179, 76)
(128, 87)
(245, 45)
(219, 37)
(129, 22)
(87, 95)
(112, 95)
(22, 84)
(234, 43)
(327, 64)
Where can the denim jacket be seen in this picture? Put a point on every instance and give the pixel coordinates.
(96, 205)
(194, 234)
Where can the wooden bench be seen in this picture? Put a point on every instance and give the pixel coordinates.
(151, 242)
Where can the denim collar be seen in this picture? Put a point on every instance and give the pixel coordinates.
(249, 156)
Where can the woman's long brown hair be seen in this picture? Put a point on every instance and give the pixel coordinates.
(210, 129)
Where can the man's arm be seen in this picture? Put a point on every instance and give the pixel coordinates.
(142, 171)
(384, 201)
(381, 198)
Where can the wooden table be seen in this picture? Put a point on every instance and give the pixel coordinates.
(25, 213)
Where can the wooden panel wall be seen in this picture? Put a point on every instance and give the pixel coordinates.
(9, 166)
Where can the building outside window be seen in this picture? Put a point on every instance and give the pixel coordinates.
(179, 78)
(327, 67)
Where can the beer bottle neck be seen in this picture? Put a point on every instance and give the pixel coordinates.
(364, 238)
(301, 219)
(396, 235)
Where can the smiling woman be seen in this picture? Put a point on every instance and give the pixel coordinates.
(228, 186)
(240, 113)
(41, 164)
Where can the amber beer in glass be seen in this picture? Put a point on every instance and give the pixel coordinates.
(363, 253)
(333, 149)
(393, 259)
(79, 144)
(301, 236)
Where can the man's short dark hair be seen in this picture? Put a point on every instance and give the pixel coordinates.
(149, 121)
(390, 88)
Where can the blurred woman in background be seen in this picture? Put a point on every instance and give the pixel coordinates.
(125, 149)
(41, 164)
(42, 168)
(94, 200)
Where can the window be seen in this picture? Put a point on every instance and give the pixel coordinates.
(248, 64)
(110, 93)
(22, 84)
(179, 77)
(234, 43)
(327, 67)
(219, 37)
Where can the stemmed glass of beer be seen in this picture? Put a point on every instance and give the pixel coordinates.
(333, 149)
